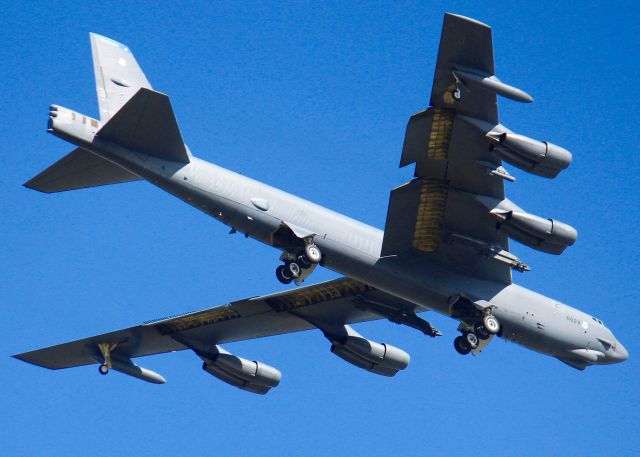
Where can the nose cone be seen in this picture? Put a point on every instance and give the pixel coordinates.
(620, 353)
(616, 354)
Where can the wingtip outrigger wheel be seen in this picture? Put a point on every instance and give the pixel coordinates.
(457, 92)
(105, 350)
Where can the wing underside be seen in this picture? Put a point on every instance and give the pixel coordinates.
(444, 212)
(333, 303)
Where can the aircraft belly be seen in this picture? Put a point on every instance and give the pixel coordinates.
(348, 247)
(345, 259)
(425, 283)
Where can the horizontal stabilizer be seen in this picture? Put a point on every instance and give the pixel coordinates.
(146, 124)
(77, 170)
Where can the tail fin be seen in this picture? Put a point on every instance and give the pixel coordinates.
(118, 75)
(138, 117)
(78, 170)
(132, 115)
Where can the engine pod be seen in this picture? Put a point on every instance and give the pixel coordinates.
(547, 235)
(537, 157)
(252, 376)
(379, 358)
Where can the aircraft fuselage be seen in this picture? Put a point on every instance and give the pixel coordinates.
(353, 248)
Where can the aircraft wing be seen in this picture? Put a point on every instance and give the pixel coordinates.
(444, 213)
(333, 303)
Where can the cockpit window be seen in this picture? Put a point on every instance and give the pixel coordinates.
(598, 321)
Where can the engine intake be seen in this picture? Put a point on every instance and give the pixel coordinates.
(547, 235)
(379, 358)
(248, 375)
(537, 157)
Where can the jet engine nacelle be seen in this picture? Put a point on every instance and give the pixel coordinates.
(379, 358)
(538, 157)
(248, 375)
(547, 235)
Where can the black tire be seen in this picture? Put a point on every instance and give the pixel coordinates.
(461, 345)
(103, 369)
(480, 331)
(283, 275)
(303, 261)
(293, 269)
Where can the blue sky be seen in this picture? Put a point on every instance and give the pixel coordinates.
(281, 92)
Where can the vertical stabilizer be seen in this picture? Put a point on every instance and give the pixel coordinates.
(118, 75)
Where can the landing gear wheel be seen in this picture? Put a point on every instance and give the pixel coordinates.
(283, 274)
(481, 331)
(303, 261)
(293, 269)
(472, 340)
(461, 345)
(491, 324)
(103, 369)
(313, 253)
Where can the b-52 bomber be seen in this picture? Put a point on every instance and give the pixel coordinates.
(444, 246)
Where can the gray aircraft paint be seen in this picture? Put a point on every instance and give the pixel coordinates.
(353, 248)
(350, 247)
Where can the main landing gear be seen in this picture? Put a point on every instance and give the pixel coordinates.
(483, 330)
(295, 265)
